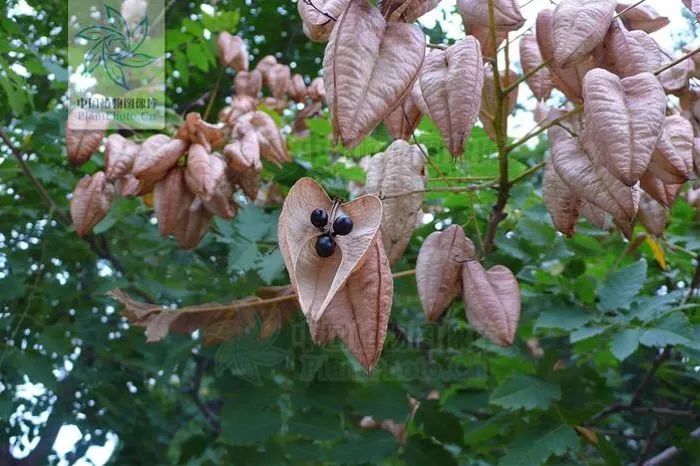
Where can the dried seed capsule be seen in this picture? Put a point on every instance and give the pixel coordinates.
(342, 225)
(319, 218)
(325, 246)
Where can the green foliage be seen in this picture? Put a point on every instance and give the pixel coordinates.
(598, 311)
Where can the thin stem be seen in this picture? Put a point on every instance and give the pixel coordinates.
(527, 173)
(441, 189)
(214, 92)
(310, 3)
(543, 128)
(527, 76)
(677, 61)
(436, 46)
(634, 5)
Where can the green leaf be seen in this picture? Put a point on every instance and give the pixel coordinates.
(247, 423)
(420, 452)
(620, 287)
(371, 448)
(315, 426)
(438, 424)
(525, 392)
(565, 317)
(534, 448)
(585, 333)
(136, 60)
(659, 337)
(626, 342)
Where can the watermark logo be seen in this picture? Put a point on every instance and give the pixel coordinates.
(116, 62)
(116, 46)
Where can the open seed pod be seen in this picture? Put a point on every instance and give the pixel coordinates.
(404, 119)
(652, 215)
(590, 181)
(624, 120)
(119, 156)
(507, 14)
(672, 159)
(369, 68)
(439, 269)
(171, 198)
(492, 301)
(406, 11)
(540, 82)
(451, 82)
(157, 156)
(401, 168)
(320, 16)
(359, 312)
(91, 201)
(578, 27)
(561, 201)
(318, 279)
(232, 51)
(84, 133)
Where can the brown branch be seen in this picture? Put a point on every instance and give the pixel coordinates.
(526, 76)
(436, 46)
(676, 61)
(658, 361)
(650, 441)
(669, 453)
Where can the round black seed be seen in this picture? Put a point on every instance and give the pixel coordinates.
(319, 218)
(342, 226)
(325, 246)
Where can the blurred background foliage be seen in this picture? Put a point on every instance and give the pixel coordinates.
(574, 389)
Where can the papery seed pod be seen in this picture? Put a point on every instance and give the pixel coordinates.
(119, 156)
(483, 35)
(232, 51)
(84, 133)
(265, 64)
(568, 80)
(451, 82)
(696, 156)
(365, 83)
(631, 52)
(507, 14)
(589, 181)
(278, 78)
(193, 225)
(488, 99)
(157, 156)
(540, 82)
(578, 27)
(624, 118)
(318, 279)
(417, 96)
(642, 17)
(672, 159)
(248, 83)
(663, 193)
(198, 131)
(203, 172)
(652, 215)
(240, 105)
(171, 197)
(406, 11)
(492, 301)
(91, 201)
(676, 78)
(359, 312)
(221, 203)
(596, 215)
(401, 168)
(243, 158)
(693, 198)
(561, 201)
(273, 145)
(296, 88)
(404, 119)
(439, 269)
(317, 90)
(130, 186)
(320, 16)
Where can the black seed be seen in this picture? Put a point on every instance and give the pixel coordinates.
(342, 226)
(325, 246)
(319, 218)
